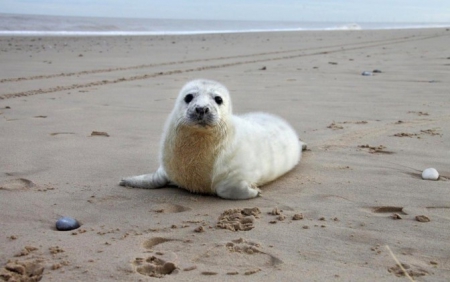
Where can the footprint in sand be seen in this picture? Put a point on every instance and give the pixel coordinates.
(28, 270)
(17, 184)
(239, 256)
(153, 266)
(238, 219)
(413, 271)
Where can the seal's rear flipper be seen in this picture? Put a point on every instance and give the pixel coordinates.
(304, 145)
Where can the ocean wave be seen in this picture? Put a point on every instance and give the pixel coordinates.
(351, 26)
(32, 25)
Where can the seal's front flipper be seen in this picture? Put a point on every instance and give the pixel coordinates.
(148, 181)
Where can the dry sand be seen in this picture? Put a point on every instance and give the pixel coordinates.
(77, 114)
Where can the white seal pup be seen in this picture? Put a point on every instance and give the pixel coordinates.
(207, 149)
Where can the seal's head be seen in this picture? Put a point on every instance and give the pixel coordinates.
(202, 104)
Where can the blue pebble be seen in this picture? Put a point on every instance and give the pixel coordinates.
(66, 223)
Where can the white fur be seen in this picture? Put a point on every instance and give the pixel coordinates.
(220, 153)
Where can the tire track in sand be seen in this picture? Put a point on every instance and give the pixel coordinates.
(143, 66)
(303, 53)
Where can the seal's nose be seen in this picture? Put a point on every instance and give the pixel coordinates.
(202, 110)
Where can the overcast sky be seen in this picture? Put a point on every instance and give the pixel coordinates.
(272, 10)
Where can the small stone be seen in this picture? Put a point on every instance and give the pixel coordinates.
(99, 133)
(396, 216)
(422, 218)
(209, 273)
(199, 229)
(366, 73)
(297, 216)
(430, 174)
(377, 71)
(233, 273)
(253, 271)
(190, 268)
(66, 223)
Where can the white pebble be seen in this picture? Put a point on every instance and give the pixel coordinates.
(430, 174)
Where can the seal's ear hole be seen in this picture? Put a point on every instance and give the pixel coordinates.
(188, 98)
(218, 100)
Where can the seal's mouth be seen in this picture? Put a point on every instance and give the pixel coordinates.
(202, 119)
(203, 124)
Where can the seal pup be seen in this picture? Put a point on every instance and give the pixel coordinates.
(207, 149)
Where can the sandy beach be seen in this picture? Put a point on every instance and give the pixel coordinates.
(347, 212)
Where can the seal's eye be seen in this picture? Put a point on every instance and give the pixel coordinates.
(188, 98)
(218, 100)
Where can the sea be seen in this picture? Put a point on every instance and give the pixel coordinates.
(28, 25)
